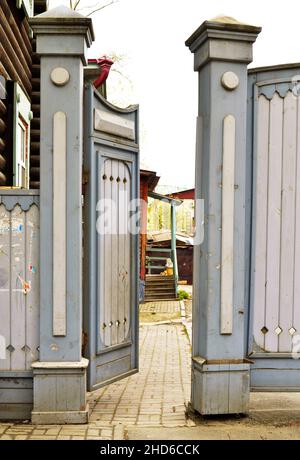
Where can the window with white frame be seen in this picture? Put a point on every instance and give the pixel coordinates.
(21, 141)
(27, 5)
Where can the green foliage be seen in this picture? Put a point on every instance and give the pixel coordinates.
(183, 295)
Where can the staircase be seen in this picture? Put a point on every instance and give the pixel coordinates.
(158, 288)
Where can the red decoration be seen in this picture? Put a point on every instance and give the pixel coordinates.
(105, 64)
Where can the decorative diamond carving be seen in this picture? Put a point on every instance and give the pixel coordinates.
(278, 330)
(25, 348)
(10, 348)
(292, 331)
(264, 330)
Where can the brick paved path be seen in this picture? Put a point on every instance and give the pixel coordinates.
(156, 396)
(158, 393)
(21, 431)
(169, 306)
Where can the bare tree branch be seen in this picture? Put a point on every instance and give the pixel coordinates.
(76, 4)
(102, 7)
(120, 73)
(87, 7)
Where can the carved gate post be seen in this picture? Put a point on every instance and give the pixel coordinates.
(60, 375)
(220, 373)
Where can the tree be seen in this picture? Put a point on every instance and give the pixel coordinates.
(89, 8)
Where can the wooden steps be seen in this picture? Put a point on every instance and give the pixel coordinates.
(159, 287)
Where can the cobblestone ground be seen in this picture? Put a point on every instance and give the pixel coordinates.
(156, 396)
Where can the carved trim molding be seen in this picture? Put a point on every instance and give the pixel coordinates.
(24, 201)
(281, 89)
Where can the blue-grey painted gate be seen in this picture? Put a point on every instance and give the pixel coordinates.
(273, 227)
(110, 278)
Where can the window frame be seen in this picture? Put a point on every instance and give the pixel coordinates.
(21, 138)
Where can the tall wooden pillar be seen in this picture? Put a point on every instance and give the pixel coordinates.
(63, 37)
(220, 373)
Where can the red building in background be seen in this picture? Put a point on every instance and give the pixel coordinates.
(183, 195)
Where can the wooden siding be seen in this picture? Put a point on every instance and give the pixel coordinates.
(277, 223)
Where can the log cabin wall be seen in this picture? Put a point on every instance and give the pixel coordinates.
(18, 63)
(39, 7)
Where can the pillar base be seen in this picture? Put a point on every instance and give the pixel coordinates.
(59, 393)
(220, 387)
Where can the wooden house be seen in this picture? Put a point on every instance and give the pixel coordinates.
(20, 98)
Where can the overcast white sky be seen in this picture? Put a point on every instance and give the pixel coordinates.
(150, 34)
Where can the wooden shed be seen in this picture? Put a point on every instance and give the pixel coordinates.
(184, 250)
(148, 182)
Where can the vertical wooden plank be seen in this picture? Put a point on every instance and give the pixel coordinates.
(274, 222)
(296, 312)
(127, 247)
(108, 255)
(59, 224)
(227, 224)
(114, 254)
(32, 276)
(5, 261)
(260, 214)
(19, 289)
(287, 222)
(121, 253)
(101, 257)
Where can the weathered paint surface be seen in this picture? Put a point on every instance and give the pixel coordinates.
(220, 375)
(115, 270)
(19, 286)
(273, 210)
(59, 224)
(61, 215)
(228, 172)
(111, 248)
(276, 294)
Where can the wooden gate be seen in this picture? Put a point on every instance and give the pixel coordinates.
(274, 159)
(110, 240)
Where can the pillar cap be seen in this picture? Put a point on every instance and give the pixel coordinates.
(222, 27)
(63, 21)
(212, 40)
